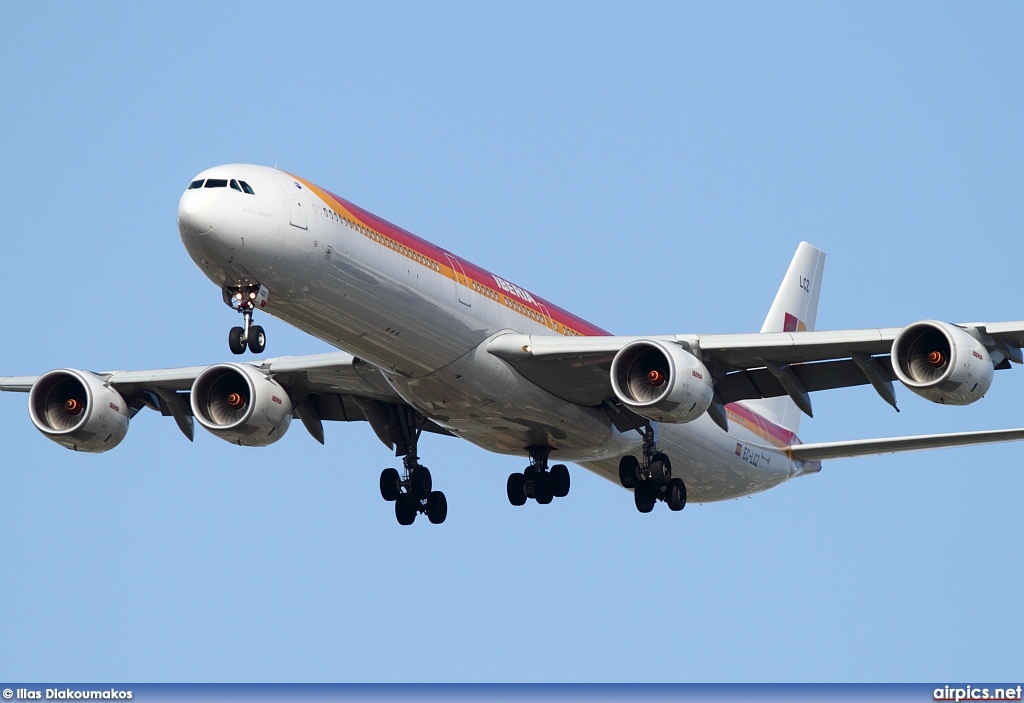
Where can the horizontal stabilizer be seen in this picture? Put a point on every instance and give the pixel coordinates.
(891, 445)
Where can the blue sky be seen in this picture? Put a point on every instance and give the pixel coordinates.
(650, 167)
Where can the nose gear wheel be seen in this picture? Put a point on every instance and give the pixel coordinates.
(244, 300)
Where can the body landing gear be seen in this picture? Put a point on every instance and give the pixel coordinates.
(652, 480)
(537, 481)
(413, 494)
(245, 300)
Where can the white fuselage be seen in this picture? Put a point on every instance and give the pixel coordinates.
(423, 317)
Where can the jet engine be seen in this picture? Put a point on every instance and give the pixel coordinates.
(942, 363)
(77, 410)
(661, 382)
(241, 404)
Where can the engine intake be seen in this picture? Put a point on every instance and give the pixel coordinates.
(661, 382)
(77, 410)
(942, 363)
(241, 405)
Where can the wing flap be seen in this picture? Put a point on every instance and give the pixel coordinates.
(815, 376)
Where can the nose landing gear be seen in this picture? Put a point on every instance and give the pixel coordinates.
(652, 480)
(537, 481)
(244, 299)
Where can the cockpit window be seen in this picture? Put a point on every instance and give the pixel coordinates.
(216, 183)
(195, 184)
(247, 188)
(234, 184)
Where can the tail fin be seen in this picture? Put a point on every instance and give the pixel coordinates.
(794, 310)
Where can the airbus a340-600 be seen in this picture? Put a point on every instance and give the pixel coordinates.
(430, 342)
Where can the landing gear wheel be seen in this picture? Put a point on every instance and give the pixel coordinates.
(516, 494)
(676, 495)
(558, 480)
(236, 340)
(661, 470)
(257, 339)
(405, 510)
(437, 507)
(542, 488)
(420, 483)
(627, 471)
(644, 498)
(389, 480)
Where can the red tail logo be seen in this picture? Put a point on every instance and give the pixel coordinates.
(793, 325)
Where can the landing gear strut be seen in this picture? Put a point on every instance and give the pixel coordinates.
(537, 481)
(651, 479)
(244, 300)
(412, 491)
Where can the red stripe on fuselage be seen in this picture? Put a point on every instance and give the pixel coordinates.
(775, 434)
(472, 272)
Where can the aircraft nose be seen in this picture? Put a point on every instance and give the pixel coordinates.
(195, 214)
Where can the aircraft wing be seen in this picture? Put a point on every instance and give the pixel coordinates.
(745, 366)
(333, 386)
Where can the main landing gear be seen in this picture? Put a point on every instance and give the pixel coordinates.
(537, 481)
(412, 490)
(652, 480)
(412, 493)
(244, 300)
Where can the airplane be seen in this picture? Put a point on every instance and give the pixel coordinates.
(428, 341)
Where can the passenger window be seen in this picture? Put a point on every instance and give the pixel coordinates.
(216, 183)
(246, 187)
(195, 184)
(234, 184)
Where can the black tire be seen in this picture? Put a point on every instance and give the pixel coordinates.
(627, 471)
(676, 495)
(661, 470)
(420, 482)
(257, 339)
(389, 480)
(437, 507)
(644, 498)
(516, 494)
(405, 510)
(236, 343)
(542, 487)
(558, 480)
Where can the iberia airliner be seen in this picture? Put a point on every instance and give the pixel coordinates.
(428, 341)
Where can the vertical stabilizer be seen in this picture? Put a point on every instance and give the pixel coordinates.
(795, 310)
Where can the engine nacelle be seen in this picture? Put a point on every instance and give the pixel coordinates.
(77, 410)
(241, 405)
(661, 382)
(942, 363)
